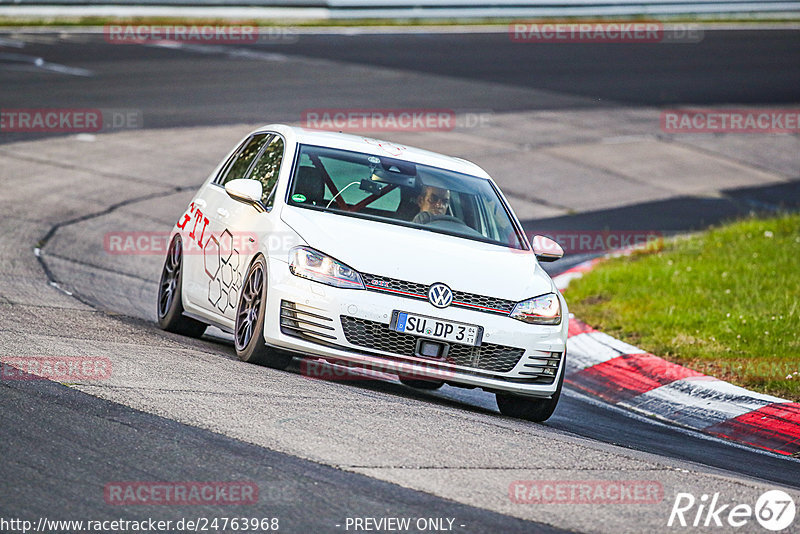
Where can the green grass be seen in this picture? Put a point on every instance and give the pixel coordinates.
(723, 302)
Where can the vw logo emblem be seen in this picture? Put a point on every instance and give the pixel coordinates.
(440, 295)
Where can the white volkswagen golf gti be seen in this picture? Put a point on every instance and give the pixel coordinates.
(369, 254)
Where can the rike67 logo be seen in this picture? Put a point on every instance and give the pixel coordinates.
(774, 510)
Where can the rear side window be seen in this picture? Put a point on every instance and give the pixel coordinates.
(267, 167)
(237, 167)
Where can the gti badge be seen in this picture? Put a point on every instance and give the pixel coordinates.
(440, 295)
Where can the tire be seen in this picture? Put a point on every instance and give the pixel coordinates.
(416, 383)
(170, 305)
(249, 326)
(530, 409)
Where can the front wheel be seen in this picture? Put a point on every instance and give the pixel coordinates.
(170, 305)
(530, 409)
(249, 327)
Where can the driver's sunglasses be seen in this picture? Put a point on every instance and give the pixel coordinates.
(436, 199)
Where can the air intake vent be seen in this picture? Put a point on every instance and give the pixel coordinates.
(305, 322)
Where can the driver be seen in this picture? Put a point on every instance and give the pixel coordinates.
(432, 202)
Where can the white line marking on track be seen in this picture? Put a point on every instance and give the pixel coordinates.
(27, 62)
(11, 43)
(230, 51)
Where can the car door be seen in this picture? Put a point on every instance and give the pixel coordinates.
(211, 266)
(193, 225)
(238, 227)
(251, 228)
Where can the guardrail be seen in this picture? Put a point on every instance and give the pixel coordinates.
(463, 8)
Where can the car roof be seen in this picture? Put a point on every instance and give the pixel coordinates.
(370, 145)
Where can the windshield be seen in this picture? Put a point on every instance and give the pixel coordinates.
(402, 193)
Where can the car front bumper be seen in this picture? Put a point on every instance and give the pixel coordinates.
(353, 327)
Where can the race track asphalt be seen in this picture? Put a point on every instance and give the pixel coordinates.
(309, 444)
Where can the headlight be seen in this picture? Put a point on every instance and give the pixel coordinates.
(544, 309)
(309, 263)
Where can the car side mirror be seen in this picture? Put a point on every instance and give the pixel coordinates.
(546, 249)
(247, 192)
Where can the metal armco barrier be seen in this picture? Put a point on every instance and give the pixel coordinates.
(464, 8)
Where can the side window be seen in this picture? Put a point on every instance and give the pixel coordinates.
(227, 166)
(238, 168)
(267, 167)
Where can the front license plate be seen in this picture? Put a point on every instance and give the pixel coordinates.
(430, 327)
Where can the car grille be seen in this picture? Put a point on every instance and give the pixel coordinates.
(379, 336)
(461, 299)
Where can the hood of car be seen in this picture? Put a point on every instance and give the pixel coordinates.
(420, 256)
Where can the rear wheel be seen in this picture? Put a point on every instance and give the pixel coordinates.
(170, 305)
(249, 327)
(531, 409)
